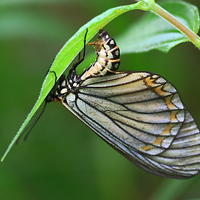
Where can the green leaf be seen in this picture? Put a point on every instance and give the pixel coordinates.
(69, 51)
(153, 32)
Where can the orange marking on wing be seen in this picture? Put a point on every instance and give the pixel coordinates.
(173, 116)
(158, 141)
(146, 148)
(149, 81)
(168, 129)
(159, 91)
(168, 102)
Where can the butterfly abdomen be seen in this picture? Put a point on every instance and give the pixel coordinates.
(108, 56)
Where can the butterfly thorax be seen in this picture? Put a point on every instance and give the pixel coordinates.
(69, 85)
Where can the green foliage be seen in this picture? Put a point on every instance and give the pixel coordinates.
(63, 158)
(163, 36)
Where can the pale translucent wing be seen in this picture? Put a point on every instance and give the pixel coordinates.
(141, 115)
(152, 130)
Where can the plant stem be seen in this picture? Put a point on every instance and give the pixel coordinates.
(195, 39)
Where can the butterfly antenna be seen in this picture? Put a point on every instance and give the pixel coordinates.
(30, 127)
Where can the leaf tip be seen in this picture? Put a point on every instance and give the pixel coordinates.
(3, 157)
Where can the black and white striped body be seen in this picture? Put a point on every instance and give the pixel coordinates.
(108, 56)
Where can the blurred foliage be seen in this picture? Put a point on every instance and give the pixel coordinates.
(62, 158)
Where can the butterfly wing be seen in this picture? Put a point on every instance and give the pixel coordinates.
(141, 115)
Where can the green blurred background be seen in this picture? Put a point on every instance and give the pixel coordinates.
(62, 158)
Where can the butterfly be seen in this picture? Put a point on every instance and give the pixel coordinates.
(138, 113)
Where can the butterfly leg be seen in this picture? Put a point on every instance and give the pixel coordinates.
(80, 60)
